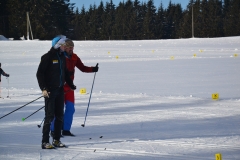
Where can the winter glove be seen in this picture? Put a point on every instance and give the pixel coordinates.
(60, 42)
(45, 93)
(73, 87)
(8, 75)
(71, 73)
(95, 69)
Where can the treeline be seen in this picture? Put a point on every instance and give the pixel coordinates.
(128, 20)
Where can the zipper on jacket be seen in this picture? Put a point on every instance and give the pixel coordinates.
(60, 70)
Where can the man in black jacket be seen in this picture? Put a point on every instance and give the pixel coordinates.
(51, 75)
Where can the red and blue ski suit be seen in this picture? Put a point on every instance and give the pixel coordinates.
(71, 63)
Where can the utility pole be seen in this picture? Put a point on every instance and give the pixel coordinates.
(192, 22)
(29, 26)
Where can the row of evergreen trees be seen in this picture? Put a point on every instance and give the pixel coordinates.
(130, 19)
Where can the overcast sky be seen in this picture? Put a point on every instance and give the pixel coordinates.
(86, 3)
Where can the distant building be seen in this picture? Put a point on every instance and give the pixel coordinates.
(2, 38)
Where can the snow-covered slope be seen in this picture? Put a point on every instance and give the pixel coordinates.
(151, 100)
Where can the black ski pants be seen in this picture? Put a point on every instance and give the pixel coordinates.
(54, 107)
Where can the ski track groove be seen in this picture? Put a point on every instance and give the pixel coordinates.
(112, 151)
(84, 147)
(165, 143)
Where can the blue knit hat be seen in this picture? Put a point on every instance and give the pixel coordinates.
(55, 40)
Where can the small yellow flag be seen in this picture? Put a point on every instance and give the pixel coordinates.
(218, 156)
(83, 91)
(215, 96)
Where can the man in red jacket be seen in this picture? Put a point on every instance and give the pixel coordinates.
(72, 61)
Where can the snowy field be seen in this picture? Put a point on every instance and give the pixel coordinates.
(151, 100)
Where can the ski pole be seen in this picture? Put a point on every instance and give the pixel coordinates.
(39, 126)
(8, 87)
(23, 119)
(83, 125)
(20, 107)
(0, 89)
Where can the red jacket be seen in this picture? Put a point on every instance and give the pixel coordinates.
(75, 61)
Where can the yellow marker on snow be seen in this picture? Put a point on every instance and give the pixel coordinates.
(200, 50)
(218, 156)
(195, 55)
(235, 55)
(83, 91)
(215, 96)
(172, 57)
(108, 52)
(117, 57)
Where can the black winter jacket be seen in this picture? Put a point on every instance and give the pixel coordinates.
(2, 73)
(52, 71)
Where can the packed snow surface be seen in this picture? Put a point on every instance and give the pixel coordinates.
(151, 99)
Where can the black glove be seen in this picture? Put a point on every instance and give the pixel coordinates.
(95, 69)
(73, 87)
(7, 75)
(71, 73)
